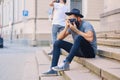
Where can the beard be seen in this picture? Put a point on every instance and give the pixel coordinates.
(77, 23)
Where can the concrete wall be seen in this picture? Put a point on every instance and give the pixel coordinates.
(26, 28)
(110, 20)
(110, 5)
(18, 22)
(94, 9)
(43, 24)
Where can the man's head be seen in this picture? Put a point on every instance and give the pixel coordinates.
(75, 14)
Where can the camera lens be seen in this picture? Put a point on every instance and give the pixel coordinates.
(72, 20)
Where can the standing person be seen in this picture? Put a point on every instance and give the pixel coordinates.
(84, 44)
(1, 42)
(58, 22)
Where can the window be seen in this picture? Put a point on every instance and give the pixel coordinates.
(76, 4)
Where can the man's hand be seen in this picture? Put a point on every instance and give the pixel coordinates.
(52, 3)
(65, 32)
(87, 35)
(73, 27)
(67, 22)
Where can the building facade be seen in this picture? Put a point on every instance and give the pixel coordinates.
(110, 20)
(33, 26)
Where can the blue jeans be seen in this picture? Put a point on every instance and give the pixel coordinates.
(55, 30)
(80, 48)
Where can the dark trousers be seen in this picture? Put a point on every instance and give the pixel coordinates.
(1, 46)
(1, 42)
(80, 48)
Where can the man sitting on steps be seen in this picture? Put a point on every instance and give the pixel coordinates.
(84, 42)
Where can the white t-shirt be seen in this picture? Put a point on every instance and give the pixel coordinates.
(59, 15)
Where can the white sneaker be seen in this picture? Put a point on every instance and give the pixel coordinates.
(62, 67)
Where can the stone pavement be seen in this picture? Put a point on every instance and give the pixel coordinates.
(22, 62)
(103, 67)
(18, 62)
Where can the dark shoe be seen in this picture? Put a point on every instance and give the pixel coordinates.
(50, 53)
(50, 73)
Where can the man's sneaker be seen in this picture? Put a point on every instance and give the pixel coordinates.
(50, 53)
(62, 67)
(50, 73)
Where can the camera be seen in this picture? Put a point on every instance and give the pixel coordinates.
(72, 20)
(57, 1)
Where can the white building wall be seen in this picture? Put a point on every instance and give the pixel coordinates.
(110, 20)
(91, 9)
(43, 24)
(26, 25)
(30, 6)
(85, 9)
(43, 7)
(94, 9)
(110, 5)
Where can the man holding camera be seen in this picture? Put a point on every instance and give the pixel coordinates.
(84, 42)
(58, 22)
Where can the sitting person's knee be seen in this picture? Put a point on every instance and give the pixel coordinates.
(79, 37)
(57, 43)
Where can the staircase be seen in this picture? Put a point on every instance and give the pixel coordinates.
(106, 66)
(109, 45)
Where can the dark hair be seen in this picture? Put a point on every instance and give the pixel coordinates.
(64, 1)
(59, 1)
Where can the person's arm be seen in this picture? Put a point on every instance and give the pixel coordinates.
(52, 3)
(65, 32)
(87, 35)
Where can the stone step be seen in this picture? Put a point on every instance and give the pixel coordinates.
(109, 42)
(44, 65)
(30, 69)
(77, 71)
(53, 78)
(109, 35)
(108, 69)
(109, 52)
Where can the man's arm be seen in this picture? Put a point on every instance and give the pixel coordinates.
(63, 34)
(52, 3)
(87, 35)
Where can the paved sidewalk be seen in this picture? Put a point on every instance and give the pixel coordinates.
(18, 62)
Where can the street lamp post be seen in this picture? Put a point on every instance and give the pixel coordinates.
(35, 20)
(34, 41)
(1, 15)
(12, 24)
